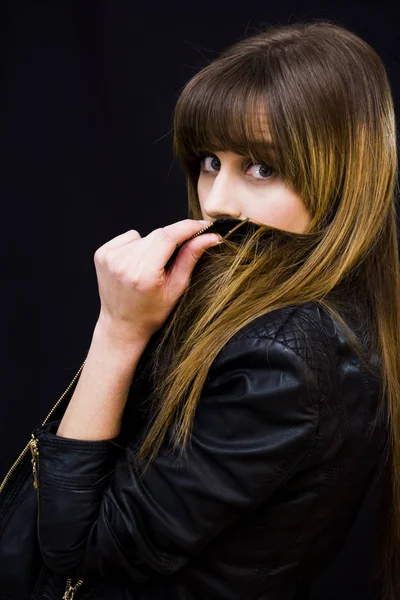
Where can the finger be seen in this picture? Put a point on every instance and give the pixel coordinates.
(121, 240)
(188, 256)
(160, 244)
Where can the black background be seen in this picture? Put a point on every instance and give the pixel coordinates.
(86, 103)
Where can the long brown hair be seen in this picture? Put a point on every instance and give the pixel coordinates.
(324, 98)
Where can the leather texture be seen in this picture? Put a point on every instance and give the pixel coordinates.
(283, 448)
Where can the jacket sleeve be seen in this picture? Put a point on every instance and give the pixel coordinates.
(256, 420)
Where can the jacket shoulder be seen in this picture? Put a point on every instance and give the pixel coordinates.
(289, 324)
(307, 329)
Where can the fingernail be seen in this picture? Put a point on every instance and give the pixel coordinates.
(204, 222)
(218, 237)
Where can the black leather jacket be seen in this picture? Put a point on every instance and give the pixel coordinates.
(282, 452)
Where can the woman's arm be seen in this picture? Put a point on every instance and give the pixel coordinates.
(96, 408)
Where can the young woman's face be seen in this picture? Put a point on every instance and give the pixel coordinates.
(230, 185)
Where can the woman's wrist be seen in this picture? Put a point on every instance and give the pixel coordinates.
(118, 338)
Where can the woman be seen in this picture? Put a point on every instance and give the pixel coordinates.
(274, 362)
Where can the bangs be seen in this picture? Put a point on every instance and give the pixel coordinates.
(219, 112)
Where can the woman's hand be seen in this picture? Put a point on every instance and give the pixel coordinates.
(137, 294)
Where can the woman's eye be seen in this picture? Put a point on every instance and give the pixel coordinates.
(262, 168)
(203, 159)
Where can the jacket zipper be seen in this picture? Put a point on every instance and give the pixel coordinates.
(26, 449)
(211, 224)
(32, 445)
(70, 589)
